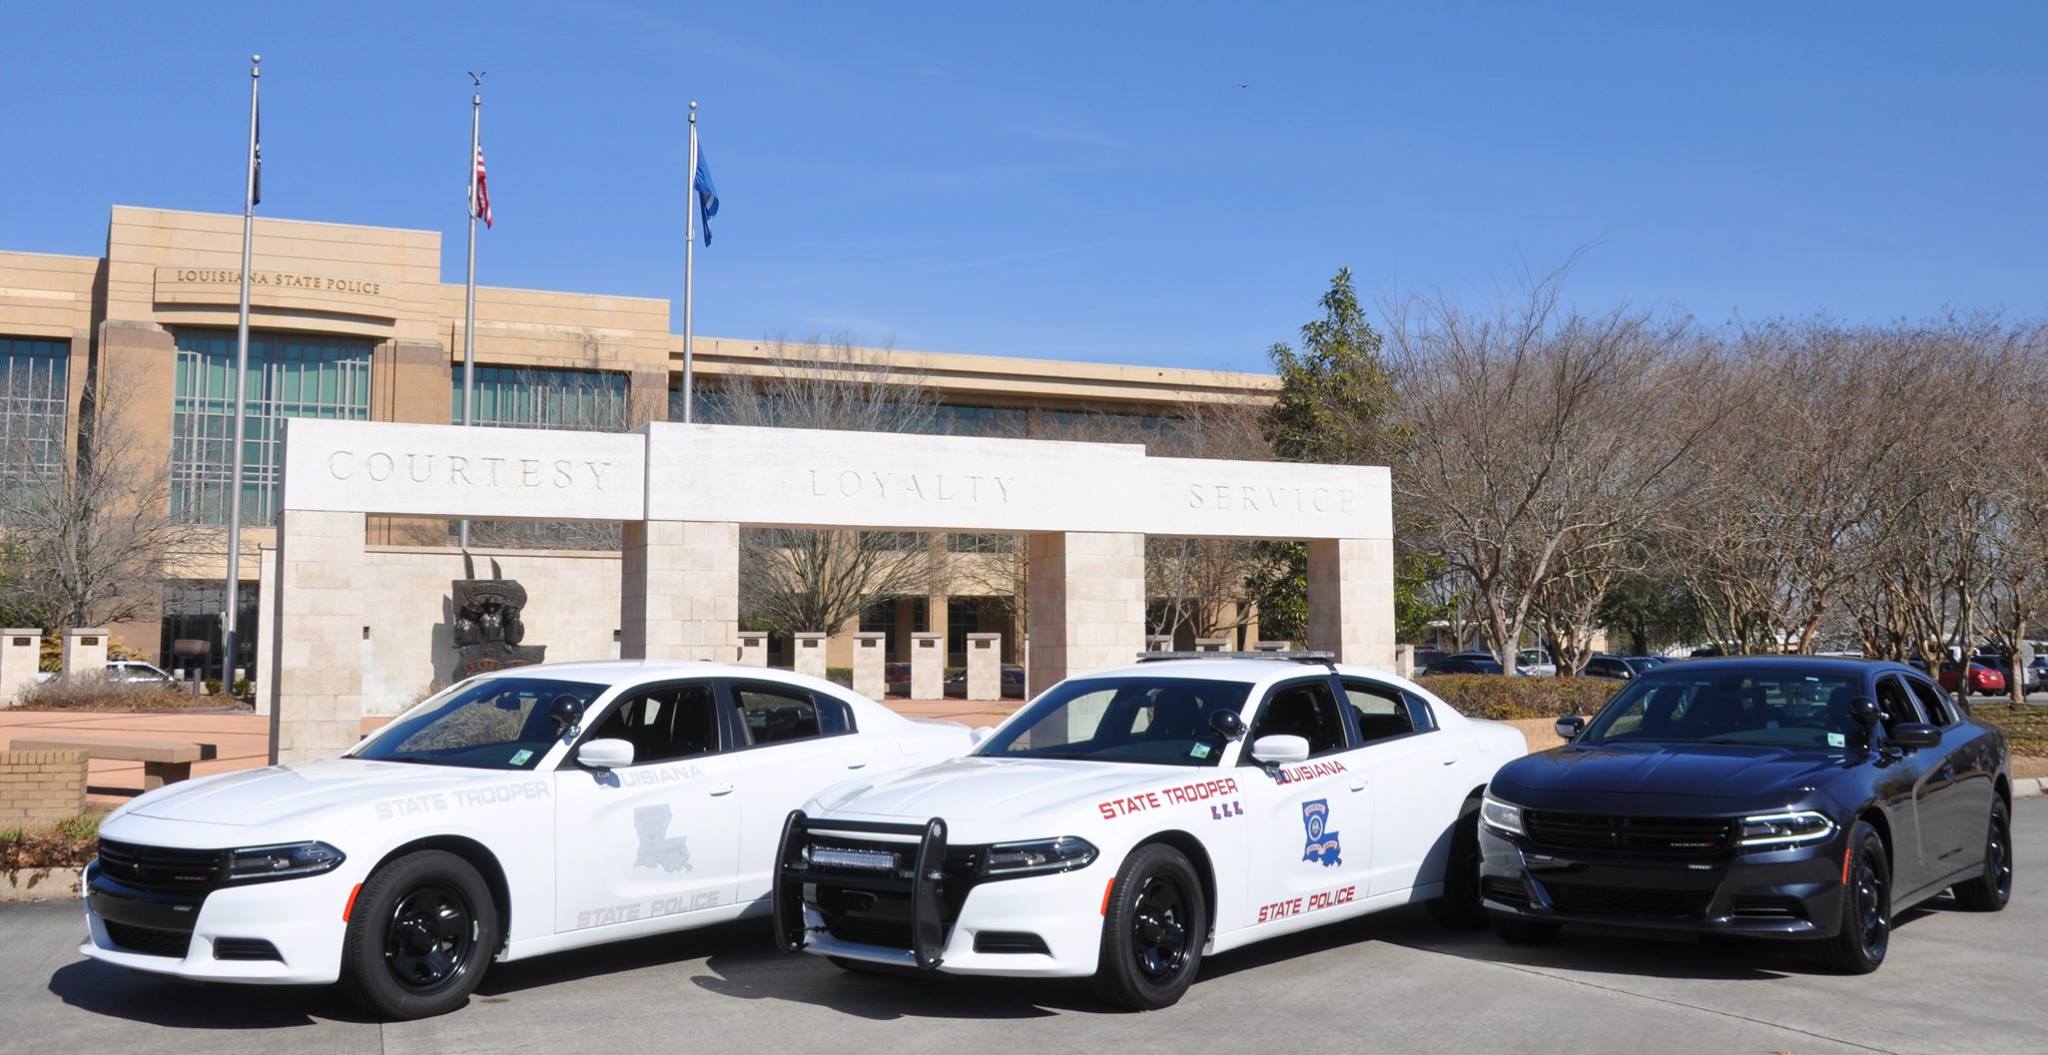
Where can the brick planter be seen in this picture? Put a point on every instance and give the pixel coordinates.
(41, 787)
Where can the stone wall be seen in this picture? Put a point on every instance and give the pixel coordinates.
(41, 787)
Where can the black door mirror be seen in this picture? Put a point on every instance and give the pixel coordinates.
(1227, 724)
(1914, 735)
(1570, 726)
(1865, 710)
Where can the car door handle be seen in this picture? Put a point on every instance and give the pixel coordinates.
(722, 789)
(1358, 785)
(856, 765)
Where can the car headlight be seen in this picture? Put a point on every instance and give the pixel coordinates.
(1063, 854)
(1501, 816)
(288, 861)
(1791, 828)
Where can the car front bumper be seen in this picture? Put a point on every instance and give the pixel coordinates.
(1791, 893)
(287, 932)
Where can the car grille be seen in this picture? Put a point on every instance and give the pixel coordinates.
(1652, 836)
(160, 868)
(149, 941)
(1628, 901)
(862, 886)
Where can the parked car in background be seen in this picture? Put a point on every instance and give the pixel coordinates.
(517, 813)
(2037, 673)
(136, 672)
(1618, 668)
(1535, 662)
(1982, 680)
(1012, 682)
(1463, 663)
(1790, 798)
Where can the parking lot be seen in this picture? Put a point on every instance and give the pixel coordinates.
(1955, 982)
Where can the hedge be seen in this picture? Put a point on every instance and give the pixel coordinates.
(1506, 698)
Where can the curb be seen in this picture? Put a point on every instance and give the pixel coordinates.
(2028, 787)
(40, 884)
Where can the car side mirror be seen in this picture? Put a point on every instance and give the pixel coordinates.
(1914, 735)
(1864, 710)
(1228, 724)
(1280, 749)
(1569, 727)
(605, 754)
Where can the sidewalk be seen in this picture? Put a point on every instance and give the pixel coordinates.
(242, 740)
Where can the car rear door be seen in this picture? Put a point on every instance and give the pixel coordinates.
(790, 743)
(1419, 781)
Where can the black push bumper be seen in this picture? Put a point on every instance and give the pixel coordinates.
(890, 894)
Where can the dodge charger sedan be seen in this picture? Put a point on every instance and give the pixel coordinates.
(1789, 797)
(517, 813)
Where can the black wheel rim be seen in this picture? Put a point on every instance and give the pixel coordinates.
(1159, 929)
(428, 943)
(1998, 859)
(1873, 905)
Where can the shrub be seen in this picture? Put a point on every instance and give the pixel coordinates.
(1501, 698)
(69, 843)
(840, 676)
(98, 694)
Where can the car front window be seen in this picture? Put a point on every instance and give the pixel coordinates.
(1156, 721)
(1777, 708)
(495, 723)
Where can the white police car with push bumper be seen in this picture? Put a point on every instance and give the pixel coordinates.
(517, 813)
(1125, 824)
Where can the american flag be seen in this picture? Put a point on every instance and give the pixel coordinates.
(481, 207)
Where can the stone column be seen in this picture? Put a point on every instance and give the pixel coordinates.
(808, 648)
(984, 666)
(1158, 642)
(85, 653)
(1087, 603)
(20, 653)
(266, 627)
(927, 665)
(1351, 600)
(1404, 660)
(317, 705)
(1272, 646)
(679, 597)
(1210, 644)
(753, 648)
(870, 649)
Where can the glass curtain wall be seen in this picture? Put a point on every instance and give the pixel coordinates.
(34, 387)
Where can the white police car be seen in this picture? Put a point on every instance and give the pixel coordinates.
(1127, 823)
(518, 813)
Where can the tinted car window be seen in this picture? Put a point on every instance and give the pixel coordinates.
(1894, 702)
(1161, 721)
(1303, 709)
(1381, 712)
(1731, 706)
(663, 724)
(774, 715)
(1931, 702)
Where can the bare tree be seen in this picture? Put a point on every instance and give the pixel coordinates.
(88, 538)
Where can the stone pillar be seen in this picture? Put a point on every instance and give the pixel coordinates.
(808, 652)
(984, 666)
(1404, 660)
(927, 665)
(317, 704)
(753, 648)
(1158, 642)
(266, 627)
(1351, 600)
(1210, 644)
(20, 653)
(1273, 646)
(1087, 603)
(85, 653)
(679, 595)
(870, 650)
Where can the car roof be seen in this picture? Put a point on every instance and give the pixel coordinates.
(638, 671)
(1838, 665)
(1249, 671)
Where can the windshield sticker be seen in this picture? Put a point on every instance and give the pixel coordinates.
(657, 848)
(1309, 771)
(1837, 740)
(1343, 895)
(1178, 795)
(1226, 810)
(1200, 750)
(520, 756)
(1321, 844)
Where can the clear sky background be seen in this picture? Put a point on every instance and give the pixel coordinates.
(1087, 181)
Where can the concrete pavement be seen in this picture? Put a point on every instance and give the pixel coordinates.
(1955, 982)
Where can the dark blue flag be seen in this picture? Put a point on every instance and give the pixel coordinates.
(707, 194)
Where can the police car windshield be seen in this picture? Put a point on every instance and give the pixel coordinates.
(1721, 706)
(1155, 721)
(495, 723)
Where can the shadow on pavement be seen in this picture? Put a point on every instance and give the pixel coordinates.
(120, 993)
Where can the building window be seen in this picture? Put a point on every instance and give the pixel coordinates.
(33, 397)
(290, 376)
(545, 398)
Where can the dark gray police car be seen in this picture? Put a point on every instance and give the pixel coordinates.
(1770, 797)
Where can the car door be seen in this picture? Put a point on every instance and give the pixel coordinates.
(1961, 784)
(1312, 837)
(657, 838)
(790, 743)
(1905, 785)
(1419, 783)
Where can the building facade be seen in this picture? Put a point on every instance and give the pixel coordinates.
(354, 323)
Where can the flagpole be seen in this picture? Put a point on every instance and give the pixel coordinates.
(476, 109)
(690, 270)
(232, 608)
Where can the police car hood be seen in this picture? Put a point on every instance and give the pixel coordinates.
(985, 790)
(297, 791)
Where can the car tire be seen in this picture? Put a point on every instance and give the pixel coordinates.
(1153, 931)
(421, 932)
(1859, 946)
(1989, 892)
(1458, 907)
(1524, 931)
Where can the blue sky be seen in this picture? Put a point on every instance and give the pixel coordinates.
(1089, 181)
